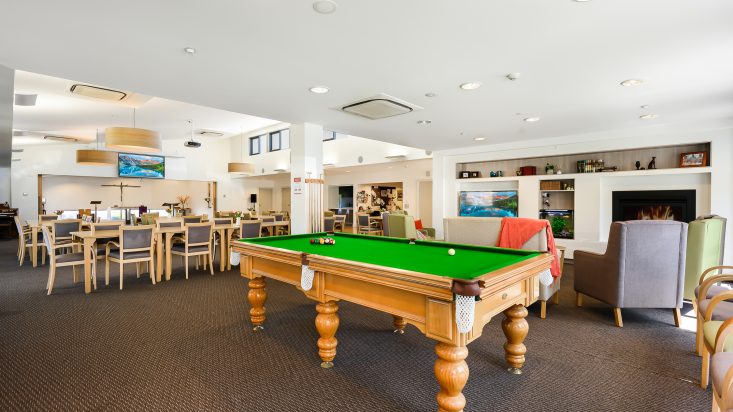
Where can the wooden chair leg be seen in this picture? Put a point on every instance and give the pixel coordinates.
(185, 260)
(74, 274)
(197, 262)
(51, 277)
(705, 372)
(151, 270)
(578, 299)
(698, 335)
(106, 272)
(137, 270)
(122, 273)
(211, 263)
(556, 298)
(677, 317)
(617, 317)
(543, 309)
(43, 255)
(22, 256)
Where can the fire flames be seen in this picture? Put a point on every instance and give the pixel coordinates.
(655, 213)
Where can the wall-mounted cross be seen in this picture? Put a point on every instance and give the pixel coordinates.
(121, 186)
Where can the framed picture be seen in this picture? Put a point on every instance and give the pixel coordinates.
(694, 159)
(475, 174)
(464, 175)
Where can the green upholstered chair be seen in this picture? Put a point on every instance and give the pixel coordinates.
(705, 242)
(328, 213)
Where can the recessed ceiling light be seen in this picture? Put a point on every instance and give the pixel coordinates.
(424, 121)
(632, 82)
(319, 89)
(470, 85)
(532, 119)
(648, 116)
(479, 139)
(430, 94)
(324, 6)
(189, 50)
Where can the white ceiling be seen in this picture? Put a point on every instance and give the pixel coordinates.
(260, 57)
(59, 112)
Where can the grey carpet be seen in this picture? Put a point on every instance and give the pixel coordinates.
(187, 345)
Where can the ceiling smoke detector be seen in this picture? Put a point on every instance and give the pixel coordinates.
(380, 106)
(97, 92)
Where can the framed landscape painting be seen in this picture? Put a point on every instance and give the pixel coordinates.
(137, 165)
(694, 159)
(488, 203)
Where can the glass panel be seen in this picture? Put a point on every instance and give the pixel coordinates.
(285, 139)
(274, 141)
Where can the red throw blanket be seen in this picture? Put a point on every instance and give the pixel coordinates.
(516, 231)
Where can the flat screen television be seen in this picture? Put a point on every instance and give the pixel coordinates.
(139, 165)
(488, 203)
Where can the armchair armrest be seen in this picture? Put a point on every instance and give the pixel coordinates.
(110, 244)
(712, 269)
(714, 302)
(725, 329)
(704, 286)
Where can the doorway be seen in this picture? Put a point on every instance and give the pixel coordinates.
(285, 200)
(264, 199)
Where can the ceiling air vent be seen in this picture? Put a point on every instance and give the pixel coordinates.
(61, 138)
(379, 106)
(209, 133)
(97, 92)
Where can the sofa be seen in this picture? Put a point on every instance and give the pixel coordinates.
(484, 231)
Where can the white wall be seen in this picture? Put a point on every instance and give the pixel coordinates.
(208, 163)
(593, 191)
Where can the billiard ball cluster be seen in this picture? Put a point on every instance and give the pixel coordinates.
(323, 241)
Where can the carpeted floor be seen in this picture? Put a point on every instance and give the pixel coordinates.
(187, 345)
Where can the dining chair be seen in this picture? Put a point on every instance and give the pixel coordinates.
(191, 219)
(46, 218)
(365, 227)
(24, 239)
(250, 228)
(163, 222)
(721, 365)
(708, 287)
(69, 259)
(220, 221)
(135, 245)
(339, 222)
(197, 243)
(279, 217)
(100, 244)
(328, 224)
(266, 230)
(62, 230)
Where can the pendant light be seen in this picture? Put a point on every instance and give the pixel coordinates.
(96, 157)
(241, 167)
(133, 139)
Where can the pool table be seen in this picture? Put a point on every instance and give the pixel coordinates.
(417, 282)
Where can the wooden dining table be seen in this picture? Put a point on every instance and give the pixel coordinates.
(35, 228)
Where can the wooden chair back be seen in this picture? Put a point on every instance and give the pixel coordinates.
(169, 222)
(250, 228)
(223, 221)
(268, 218)
(62, 228)
(106, 226)
(46, 218)
(187, 220)
(136, 239)
(199, 234)
(328, 224)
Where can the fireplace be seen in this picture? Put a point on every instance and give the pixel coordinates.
(676, 205)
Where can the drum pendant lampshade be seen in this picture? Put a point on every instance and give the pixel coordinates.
(92, 157)
(247, 168)
(133, 139)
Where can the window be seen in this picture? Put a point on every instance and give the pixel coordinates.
(254, 145)
(280, 140)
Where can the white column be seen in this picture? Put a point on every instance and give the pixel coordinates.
(7, 87)
(306, 160)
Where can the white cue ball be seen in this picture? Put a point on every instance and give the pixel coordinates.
(451, 252)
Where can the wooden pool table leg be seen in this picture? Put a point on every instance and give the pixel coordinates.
(257, 296)
(327, 321)
(515, 329)
(451, 371)
(399, 324)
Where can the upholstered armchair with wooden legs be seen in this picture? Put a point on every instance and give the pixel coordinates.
(722, 368)
(197, 243)
(55, 261)
(643, 267)
(709, 287)
(712, 331)
(135, 246)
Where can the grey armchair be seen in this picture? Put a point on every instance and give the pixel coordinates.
(643, 267)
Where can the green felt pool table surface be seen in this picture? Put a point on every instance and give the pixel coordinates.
(468, 262)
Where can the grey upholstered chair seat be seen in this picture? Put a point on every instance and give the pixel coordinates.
(722, 310)
(721, 363)
(180, 247)
(712, 291)
(70, 257)
(115, 253)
